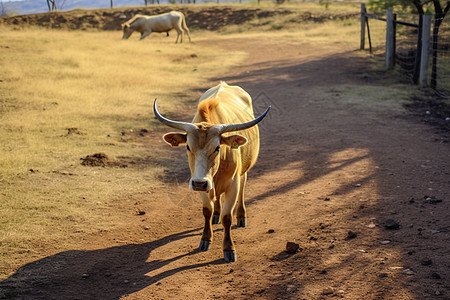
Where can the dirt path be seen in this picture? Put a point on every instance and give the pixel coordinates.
(325, 169)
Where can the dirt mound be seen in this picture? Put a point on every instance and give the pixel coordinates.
(100, 159)
(200, 17)
(205, 18)
(74, 131)
(95, 160)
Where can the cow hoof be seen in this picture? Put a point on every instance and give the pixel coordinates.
(215, 219)
(229, 256)
(241, 223)
(204, 246)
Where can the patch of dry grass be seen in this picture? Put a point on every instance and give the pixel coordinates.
(103, 86)
(54, 80)
(310, 6)
(294, 26)
(368, 99)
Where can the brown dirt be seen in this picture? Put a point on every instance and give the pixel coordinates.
(325, 169)
(95, 160)
(197, 17)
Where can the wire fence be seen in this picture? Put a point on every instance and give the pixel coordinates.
(406, 44)
(402, 46)
(376, 33)
(441, 72)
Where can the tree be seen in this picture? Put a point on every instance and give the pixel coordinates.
(51, 5)
(54, 5)
(3, 11)
(438, 18)
(440, 11)
(419, 6)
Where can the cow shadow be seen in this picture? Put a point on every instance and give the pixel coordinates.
(98, 274)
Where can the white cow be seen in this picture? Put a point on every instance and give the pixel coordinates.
(159, 23)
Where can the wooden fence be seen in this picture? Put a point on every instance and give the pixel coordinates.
(420, 68)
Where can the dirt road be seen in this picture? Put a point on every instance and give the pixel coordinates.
(329, 176)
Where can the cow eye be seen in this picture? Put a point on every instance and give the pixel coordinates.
(188, 149)
(217, 149)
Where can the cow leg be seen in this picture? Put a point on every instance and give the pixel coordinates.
(145, 34)
(241, 212)
(186, 29)
(179, 34)
(229, 251)
(207, 213)
(217, 210)
(188, 34)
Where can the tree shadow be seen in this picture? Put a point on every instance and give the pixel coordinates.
(309, 141)
(122, 270)
(98, 274)
(308, 146)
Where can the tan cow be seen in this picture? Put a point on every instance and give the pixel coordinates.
(220, 153)
(159, 23)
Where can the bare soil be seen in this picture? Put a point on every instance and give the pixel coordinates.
(197, 17)
(329, 177)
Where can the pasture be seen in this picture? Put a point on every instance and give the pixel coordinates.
(339, 155)
(66, 95)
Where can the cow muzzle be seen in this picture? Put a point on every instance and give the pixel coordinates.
(200, 185)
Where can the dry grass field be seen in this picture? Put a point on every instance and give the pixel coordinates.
(65, 95)
(339, 156)
(68, 94)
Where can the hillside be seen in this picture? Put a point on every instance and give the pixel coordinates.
(33, 6)
(201, 17)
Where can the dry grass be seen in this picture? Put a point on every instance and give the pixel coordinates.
(101, 85)
(310, 6)
(54, 80)
(299, 25)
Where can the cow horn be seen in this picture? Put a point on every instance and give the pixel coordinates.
(174, 124)
(236, 127)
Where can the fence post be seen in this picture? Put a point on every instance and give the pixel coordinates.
(390, 39)
(416, 72)
(363, 25)
(426, 28)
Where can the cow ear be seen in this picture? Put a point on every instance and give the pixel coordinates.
(234, 141)
(175, 139)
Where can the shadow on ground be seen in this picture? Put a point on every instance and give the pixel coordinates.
(308, 140)
(99, 274)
